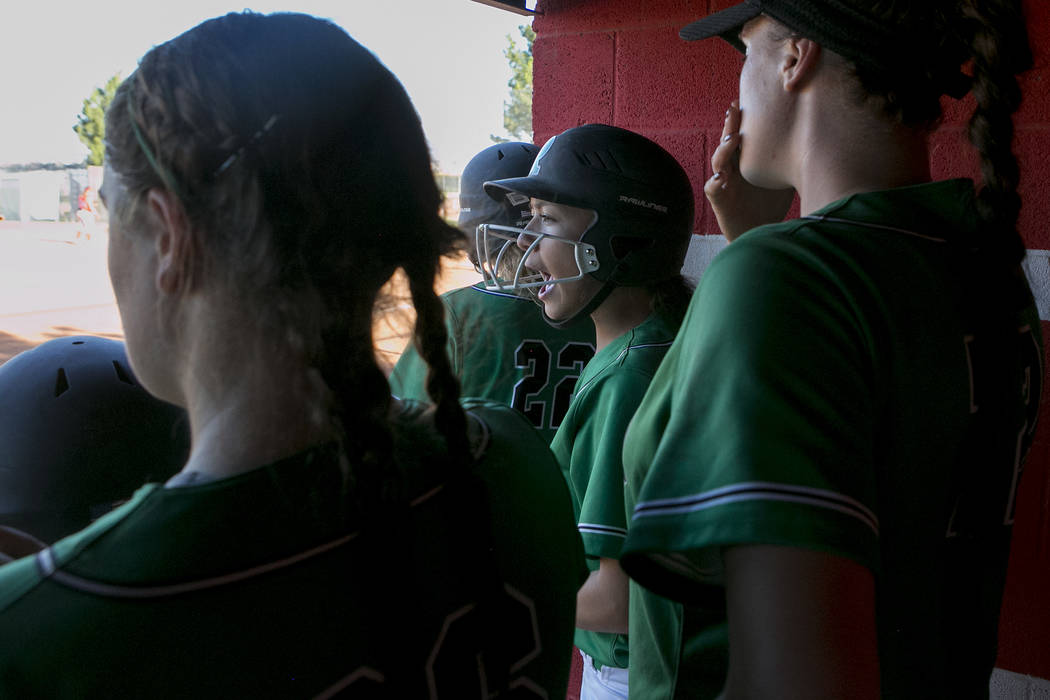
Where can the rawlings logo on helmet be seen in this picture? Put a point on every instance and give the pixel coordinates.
(642, 203)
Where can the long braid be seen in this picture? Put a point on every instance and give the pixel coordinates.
(998, 41)
(374, 482)
(431, 339)
(467, 492)
(291, 184)
(992, 34)
(1000, 51)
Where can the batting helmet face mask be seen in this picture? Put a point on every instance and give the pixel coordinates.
(78, 435)
(641, 196)
(498, 250)
(503, 160)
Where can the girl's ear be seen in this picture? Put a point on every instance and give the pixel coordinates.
(174, 242)
(800, 59)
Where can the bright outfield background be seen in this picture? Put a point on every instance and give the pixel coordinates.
(54, 285)
(448, 54)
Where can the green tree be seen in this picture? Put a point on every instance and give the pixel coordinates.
(517, 111)
(91, 122)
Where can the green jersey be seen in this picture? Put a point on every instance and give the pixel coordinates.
(826, 392)
(268, 584)
(502, 349)
(589, 445)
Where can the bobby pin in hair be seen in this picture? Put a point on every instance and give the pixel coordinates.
(256, 137)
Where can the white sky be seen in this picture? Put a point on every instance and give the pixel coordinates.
(448, 54)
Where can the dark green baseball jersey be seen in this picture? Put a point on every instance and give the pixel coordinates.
(502, 349)
(266, 584)
(859, 382)
(589, 445)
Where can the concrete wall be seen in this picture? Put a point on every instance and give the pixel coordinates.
(44, 195)
(621, 62)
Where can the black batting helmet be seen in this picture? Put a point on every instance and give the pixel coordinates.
(78, 434)
(642, 196)
(512, 159)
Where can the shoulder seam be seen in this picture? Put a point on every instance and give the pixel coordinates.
(763, 491)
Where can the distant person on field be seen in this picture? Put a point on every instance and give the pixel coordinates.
(498, 343)
(87, 214)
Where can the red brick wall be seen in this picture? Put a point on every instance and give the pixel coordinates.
(621, 62)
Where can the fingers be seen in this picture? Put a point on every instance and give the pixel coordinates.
(731, 125)
(714, 185)
(726, 155)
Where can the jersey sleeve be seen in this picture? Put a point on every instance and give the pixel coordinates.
(760, 422)
(596, 463)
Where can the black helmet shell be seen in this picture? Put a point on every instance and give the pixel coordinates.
(78, 433)
(503, 160)
(642, 196)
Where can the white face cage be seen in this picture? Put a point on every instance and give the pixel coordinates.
(504, 266)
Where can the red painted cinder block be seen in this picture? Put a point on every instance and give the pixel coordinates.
(662, 81)
(1024, 625)
(716, 5)
(598, 15)
(689, 149)
(1036, 83)
(951, 155)
(1033, 151)
(575, 75)
(1035, 105)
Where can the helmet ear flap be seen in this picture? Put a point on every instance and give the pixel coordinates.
(624, 249)
(622, 246)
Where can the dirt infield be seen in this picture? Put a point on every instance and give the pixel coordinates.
(54, 285)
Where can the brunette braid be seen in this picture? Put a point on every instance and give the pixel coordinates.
(303, 194)
(431, 338)
(992, 34)
(1000, 51)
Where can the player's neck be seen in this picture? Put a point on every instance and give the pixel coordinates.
(624, 309)
(863, 152)
(251, 401)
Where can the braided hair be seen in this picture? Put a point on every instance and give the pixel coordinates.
(990, 40)
(304, 194)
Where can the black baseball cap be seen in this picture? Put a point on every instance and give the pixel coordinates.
(841, 26)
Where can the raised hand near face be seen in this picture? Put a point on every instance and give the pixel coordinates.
(738, 205)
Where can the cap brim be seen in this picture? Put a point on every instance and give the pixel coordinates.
(725, 24)
(528, 186)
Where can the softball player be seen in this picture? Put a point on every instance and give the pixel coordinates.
(832, 448)
(321, 539)
(498, 344)
(612, 217)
